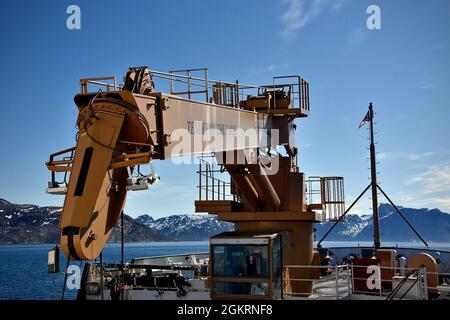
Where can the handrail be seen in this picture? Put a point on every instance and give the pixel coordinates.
(389, 247)
(297, 92)
(201, 79)
(210, 184)
(345, 277)
(85, 81)
(235, 90)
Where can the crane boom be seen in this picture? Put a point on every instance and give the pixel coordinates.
(119, 129)
(123, 127)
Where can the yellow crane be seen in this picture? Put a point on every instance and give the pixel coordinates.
(121, 127)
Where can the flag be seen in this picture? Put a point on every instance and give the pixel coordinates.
(366, 119)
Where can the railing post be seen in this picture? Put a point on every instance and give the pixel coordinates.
(200, 179)
(189, 84)
(207, 191)
(218, 189)
(348, 279)
(213, 182)
(423, 283)
(206, 84)
(337, 280)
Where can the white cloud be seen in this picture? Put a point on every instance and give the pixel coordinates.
(179, 190)
(404, 155)
(362, 207)
(356, 37)
(438, 46)
(431, 188)
(442, 202)
(271, 68)
(435, 179)
(301, 12)
(416, 201)
(165, 189)
(427, 84)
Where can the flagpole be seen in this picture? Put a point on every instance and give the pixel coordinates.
(373, 177)
(374, 186)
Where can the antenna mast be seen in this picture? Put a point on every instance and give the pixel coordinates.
(373, 178)
(375, 187)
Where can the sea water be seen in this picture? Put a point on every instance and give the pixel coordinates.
(24, 276)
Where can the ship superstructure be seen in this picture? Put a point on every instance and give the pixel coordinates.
(248, 174)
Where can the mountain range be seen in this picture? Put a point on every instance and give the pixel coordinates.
(432, 224)
(27, 223)
(186, 227)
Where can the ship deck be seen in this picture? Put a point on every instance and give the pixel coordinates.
(336, 282)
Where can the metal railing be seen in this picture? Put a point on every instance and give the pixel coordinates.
(211, 89)
(334, 285)
(62, 165)
(219, 92)
(190, 82)
(333, 197)
(231, 94)
(210, 187)
(326, 194)
(341, 281)
(410, 283)
(108, 86)
(329, 282)
(298, 91)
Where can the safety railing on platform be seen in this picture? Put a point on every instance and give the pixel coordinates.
(391, 283)
(363, 282)
(326, 194)
(99, 82)
(190, 82)
(298, 91)
(326, 282)
(231, 94)
(61, 165)
(210, 186)
(219, 92)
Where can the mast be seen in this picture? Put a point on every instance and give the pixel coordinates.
(373, 178)
(375, 187)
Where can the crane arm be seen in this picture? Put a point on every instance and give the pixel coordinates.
(129, 126)
(121, 129)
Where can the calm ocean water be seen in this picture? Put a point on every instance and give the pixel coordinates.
(23, 268)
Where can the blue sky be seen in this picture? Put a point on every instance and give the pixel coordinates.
(403, 69)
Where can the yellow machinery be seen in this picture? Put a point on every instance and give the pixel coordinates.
(123, 127)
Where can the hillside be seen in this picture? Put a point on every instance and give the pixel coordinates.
(27, 223)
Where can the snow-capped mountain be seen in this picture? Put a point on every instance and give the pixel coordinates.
(187, 226)
(432, 224)
(145, 219)
(27, 223)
